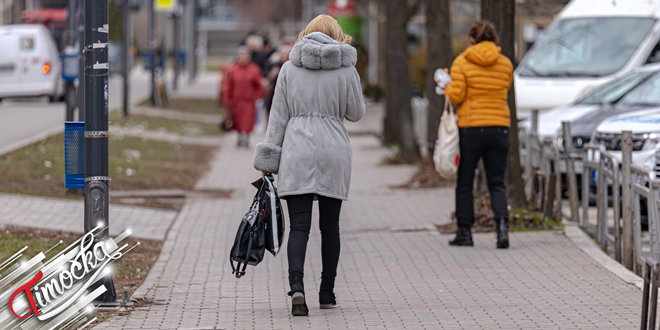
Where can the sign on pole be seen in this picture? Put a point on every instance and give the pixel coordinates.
(165, 5)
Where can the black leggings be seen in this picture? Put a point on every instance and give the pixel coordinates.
(300, 215)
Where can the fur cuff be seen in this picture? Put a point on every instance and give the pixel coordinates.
(267, 157)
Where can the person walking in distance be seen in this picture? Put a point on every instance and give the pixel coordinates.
(308, 147)
(481, 77)
(243, 89)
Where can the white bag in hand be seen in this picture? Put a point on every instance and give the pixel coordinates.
(447, 154)
(442, 79)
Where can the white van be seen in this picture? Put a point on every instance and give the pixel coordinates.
(29, 63)
(590, 43)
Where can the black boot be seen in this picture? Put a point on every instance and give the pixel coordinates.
(297, 293)
(326, 294)
(502, 234)
(463, 237)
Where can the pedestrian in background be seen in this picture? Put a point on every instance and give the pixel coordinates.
(481, 77)
(256, 46)
(273, 73)
(243, 89)
(308, 147)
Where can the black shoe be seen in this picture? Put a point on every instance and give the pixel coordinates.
(502, 234)
(327, 300)
(463, 238)
(297, 293)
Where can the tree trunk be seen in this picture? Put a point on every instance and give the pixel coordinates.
(398, 118)
(439, 55)
(502, 14)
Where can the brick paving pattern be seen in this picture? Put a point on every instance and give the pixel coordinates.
(394, 273)
(67, 215)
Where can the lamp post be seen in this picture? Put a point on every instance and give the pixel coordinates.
(96, 126)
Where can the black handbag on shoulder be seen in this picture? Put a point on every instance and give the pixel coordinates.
(261, 229)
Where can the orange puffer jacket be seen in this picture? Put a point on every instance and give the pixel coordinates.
(481, 78)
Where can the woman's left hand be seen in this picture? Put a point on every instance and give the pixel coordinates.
(264, 174)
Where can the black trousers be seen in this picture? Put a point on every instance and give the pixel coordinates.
(300, 218)
(491, 144)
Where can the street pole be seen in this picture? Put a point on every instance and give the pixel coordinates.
(176, 16)
(96, 127)
(152, 49)
(190, 38)
(70, 88)
(126, 9)
(81, 61)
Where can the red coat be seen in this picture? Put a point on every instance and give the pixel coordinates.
(243, 87)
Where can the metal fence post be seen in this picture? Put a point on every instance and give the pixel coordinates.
(529, 167)
(626, 160)
(570, 171)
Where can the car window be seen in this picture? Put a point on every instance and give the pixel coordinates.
(586, 47)
(654, 57)
(26, 43)
(614, 90)
(647, 93)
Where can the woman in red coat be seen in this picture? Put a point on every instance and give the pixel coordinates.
(243, 88)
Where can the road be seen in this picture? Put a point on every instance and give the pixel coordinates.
(25, 121)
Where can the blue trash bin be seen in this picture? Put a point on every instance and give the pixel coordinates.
(69, 65)
(74, 154)
(148, 58)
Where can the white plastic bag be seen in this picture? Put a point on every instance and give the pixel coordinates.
(447, 154)
(442, 79)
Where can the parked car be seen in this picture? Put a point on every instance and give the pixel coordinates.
(644, 124)
(29, 63)
(592, 107)
(590, 43)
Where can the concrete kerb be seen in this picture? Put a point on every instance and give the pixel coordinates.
(586, 244)
(31, 140)
(164, 256)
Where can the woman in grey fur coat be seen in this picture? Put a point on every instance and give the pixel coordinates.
(307, 146)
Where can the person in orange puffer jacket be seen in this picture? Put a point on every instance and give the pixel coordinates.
(481, 78)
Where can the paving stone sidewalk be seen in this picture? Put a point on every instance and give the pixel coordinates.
(67, 215)
(394, 273)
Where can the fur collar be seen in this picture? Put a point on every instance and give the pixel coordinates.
(318, 51)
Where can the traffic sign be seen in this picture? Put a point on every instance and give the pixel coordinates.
(165, 5)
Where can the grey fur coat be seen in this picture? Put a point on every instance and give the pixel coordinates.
(306, 142)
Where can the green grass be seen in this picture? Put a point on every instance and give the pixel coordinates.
(182, 127)
(525, 220)
(134, 164)
(10, 244)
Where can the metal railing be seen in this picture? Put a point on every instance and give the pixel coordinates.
(622, 191)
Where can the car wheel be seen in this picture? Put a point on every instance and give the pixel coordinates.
(52, 98)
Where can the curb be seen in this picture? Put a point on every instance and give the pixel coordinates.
(31, 140)
(586, 244)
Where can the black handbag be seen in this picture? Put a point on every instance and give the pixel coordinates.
(274, 217)
(250, 242)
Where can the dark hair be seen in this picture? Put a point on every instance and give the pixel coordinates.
(483, 31)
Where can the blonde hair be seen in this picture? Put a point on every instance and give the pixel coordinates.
(327, 25)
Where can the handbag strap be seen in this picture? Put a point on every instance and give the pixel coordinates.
(448, 106)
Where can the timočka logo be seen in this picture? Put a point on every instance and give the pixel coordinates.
(39, 294)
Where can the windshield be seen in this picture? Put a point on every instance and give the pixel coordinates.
(646, 94)
(613, 91)
(586, 47)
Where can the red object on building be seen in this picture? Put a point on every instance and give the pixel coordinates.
(51, 18)
(348, 11)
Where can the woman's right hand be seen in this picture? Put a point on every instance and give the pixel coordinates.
(264, 174)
